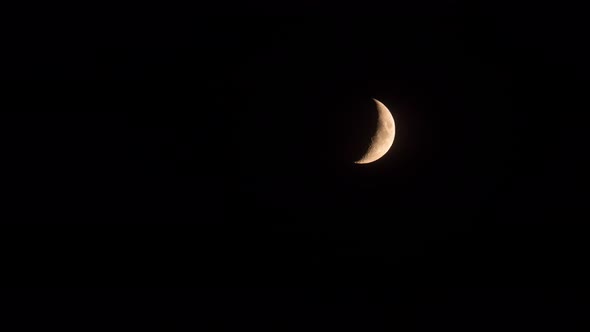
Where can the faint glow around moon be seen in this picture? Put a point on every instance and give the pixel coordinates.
(382, 138)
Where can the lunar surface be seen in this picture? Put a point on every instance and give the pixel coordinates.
(382, 139)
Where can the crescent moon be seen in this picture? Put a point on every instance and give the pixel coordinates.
(382, 138)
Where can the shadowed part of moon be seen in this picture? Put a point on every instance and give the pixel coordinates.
(382, 139)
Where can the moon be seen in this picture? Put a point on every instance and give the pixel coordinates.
(382, 138)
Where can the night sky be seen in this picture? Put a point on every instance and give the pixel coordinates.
(195, 173)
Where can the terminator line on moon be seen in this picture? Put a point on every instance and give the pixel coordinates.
(382, 138)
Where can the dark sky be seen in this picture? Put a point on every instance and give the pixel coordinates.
(207, 153)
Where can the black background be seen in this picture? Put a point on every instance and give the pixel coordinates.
(169, 170)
